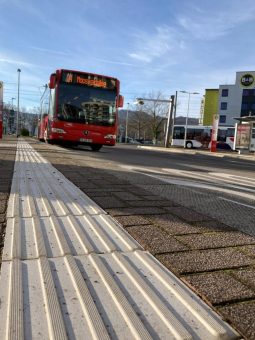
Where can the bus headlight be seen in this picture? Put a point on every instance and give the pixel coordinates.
(56, 130)
(110, 136)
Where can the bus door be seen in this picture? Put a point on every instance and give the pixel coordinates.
(178, 135)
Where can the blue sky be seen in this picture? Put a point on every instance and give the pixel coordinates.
(150, 45)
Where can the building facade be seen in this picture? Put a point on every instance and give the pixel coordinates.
(231, 101)
(210, 106)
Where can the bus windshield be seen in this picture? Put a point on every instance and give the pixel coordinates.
(87, 105)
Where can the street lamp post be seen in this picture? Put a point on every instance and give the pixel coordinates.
(187, 116)
(126, 130)
(17, 128)
(11, 117)
(174, 113)
(169, 121)
(12, 101)
(40, 133)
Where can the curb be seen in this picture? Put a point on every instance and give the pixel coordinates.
(197, 152)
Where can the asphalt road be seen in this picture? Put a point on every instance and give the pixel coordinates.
(221, 188)
(133, 155)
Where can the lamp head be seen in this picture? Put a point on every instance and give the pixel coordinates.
(139, 101)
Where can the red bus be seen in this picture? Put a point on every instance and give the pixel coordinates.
(82, 109)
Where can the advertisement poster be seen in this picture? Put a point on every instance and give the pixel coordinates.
(243, 136)
(1, 109)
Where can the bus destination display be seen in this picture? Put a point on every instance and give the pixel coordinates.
(88, 80)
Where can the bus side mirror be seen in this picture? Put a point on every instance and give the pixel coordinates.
(120, 101)
(52, 82)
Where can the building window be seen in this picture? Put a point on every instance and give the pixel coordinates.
(223, 106)
(222, 119)
(224, 93)
(179, 132)
(244, 106)
(248, 93)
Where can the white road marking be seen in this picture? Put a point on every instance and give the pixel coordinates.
(206, 186)
(196, 184)
(245, 205)
(215, 176)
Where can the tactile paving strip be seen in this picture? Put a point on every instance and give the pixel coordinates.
(74, 273)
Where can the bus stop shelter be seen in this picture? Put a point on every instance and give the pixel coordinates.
(245, 134)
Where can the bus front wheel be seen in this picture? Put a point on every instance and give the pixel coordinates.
(45, 135)
(95, 147)
(189, 145)
(46, 139)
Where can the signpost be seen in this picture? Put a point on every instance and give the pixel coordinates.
(214, 133)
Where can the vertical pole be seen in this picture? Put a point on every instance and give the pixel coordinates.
(17, 128)
(40, 133)
(250, 137)
(235, 137)
(169, 121)
(1, 109)
(174, 115)
(12, 117)
(214, 135)
(167, 125)
(126, 134)
(186, 123)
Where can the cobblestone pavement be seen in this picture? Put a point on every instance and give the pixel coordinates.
(240, 217)
(215, 260)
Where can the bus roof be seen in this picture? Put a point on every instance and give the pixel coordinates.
(203, 126)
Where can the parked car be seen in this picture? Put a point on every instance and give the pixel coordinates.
(133, 141)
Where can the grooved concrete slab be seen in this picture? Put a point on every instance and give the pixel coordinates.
(58, 236)
(118, 296)
(38, 189)
(69, 271)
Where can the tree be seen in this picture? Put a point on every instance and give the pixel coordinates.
(156, 115)
(138, 123)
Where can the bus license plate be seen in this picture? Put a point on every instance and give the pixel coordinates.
(85, 140)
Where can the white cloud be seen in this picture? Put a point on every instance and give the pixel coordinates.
(207, 25)
(116, 62)
(140, 56)
(151, 46)
(49, 51)
(15, 62)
